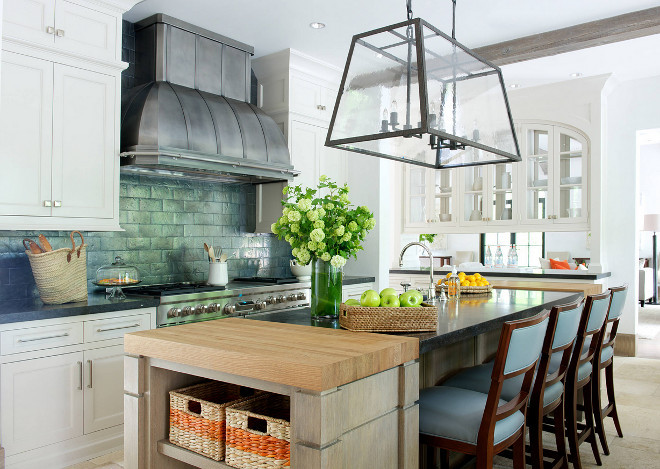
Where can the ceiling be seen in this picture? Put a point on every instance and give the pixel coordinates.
(273, 25)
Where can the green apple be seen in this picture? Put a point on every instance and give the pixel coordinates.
(352, 302)
(410, 298)
(390, 301)
(370, 298)
(387, 292)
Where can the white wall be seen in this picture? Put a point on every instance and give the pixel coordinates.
(574, 242)
(649, 190)
(631, 106)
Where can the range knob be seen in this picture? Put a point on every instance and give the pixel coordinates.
(213, 307)
(280, 299)
(174, 313)
(229, 309)
(270, 300)
(187, 311)
(301, 296)
(292, 297)
(201, 309)
(260, 304)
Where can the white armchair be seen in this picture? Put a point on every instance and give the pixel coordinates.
(645, 285)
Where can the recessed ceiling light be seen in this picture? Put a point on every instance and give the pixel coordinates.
(576, 74)
(515, 85)
(316, 25)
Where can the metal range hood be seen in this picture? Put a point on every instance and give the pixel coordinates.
(189, 115)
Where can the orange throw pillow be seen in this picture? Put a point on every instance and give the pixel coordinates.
(559, 264)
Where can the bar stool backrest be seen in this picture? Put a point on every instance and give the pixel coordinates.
(618, 299)
(591, 325)
(517, 353)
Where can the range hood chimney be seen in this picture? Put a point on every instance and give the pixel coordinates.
(189, 114)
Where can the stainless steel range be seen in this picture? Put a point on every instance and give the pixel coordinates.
(183, 303)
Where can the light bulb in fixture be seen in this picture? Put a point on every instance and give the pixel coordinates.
(317, 25)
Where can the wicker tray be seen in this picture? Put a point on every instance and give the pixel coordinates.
(379, 319)
(197, 416)
(471, 290)
(259, 433)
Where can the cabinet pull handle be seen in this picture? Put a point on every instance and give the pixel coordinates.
(48, 203)
(57, 203)
(80, 374)
(91, 383)
(46, 337)
(59, 32)
(50, 30)
(118, 328)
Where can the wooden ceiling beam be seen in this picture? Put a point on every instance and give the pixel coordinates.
(594, 33)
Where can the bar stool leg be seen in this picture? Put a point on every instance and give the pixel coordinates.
(598, 414)
(534, 422)
(519, 452)
(589, 417)
(444, 459)
(560, 435)
(572, 430)
(609, 381)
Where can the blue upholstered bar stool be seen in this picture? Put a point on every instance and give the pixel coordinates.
(617, 301)
(472, 422)
(547, 396)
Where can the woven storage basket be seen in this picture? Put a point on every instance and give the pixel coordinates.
(197, 416)
(61, 275)
(471, 290)
(258, 433)
(379, 319)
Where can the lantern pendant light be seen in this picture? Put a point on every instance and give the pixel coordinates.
(411, 93)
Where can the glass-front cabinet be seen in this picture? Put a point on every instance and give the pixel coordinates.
(556, 172)
(430, 198)
(488, 194)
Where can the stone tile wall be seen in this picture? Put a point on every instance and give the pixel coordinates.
(166, 222)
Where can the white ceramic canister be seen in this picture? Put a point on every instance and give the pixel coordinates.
(218, 274)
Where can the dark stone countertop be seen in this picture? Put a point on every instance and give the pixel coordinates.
(33, 309)
(458, 321)
(536, 274)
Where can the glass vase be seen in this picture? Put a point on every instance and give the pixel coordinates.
(326, 290)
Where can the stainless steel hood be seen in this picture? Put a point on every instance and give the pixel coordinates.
(189, 116)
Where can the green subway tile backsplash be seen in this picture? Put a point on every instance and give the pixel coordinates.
(166, 223)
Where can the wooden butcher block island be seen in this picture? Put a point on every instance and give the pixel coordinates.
(353, 395)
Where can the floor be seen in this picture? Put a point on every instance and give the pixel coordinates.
(638, 399)
(648, 332)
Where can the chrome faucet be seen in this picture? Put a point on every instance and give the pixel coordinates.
(432, 285)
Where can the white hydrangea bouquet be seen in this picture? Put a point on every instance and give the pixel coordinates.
(324, 227)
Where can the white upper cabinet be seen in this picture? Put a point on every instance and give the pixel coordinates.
(311, 99)
(431, 198)
(84, 156)
(26, 131)
(64, 26)
(488, 195)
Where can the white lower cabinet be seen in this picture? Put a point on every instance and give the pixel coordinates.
(355, 291)
(104, 388)
(42, 401)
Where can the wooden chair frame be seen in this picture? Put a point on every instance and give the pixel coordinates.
(485, 449)
(609, 410)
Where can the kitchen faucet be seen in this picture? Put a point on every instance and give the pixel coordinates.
(431, 295)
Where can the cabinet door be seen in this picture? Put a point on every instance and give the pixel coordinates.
(306, 143)
(26, 134)
(305, 98)
(42, 401)
(502, 208)
(84, 31)
(30, 20)
(537, 182)
(444, 196)
(474, 181)
(84, 156)
(570, 183)
(104, 388)
(416, 209)
(332, 161)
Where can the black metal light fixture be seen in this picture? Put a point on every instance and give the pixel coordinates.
(411, 93)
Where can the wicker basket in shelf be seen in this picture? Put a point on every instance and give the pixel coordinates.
(380, 319)
(197, 416)
(258, 433)
(470, 290)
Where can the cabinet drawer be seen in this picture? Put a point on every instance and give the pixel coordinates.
(115, 328)
(38, 338)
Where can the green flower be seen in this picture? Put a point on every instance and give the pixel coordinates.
(323, 178)
(285, 211)
(320, 224)
(341, 220)
(370, 224)
(288, 238)
(321, 212)
(339, 231)
(352, 226)
(344, 199)
(273, 228)
(295, 228)
(320, 247)
(294, 215)
(329, 206)
(326, 256)
(303, 256)
(317, 235)
(347, 237)
(312, 215)
(338, 262)
(294, 251)
(282, 220)
(304, 204)
(312, 246)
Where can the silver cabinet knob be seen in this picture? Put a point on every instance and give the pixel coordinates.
(50, 30)
(187, 311)
(48, 203)
(301, 296)
(57, 203)
(260, 304)
(270, 300)
(213, 307)
(292, 297)
(174, 313)
(201, 309)
(229, 309)
(59, 32)
(280, 299)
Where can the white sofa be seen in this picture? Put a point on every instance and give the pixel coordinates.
(645, 285)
